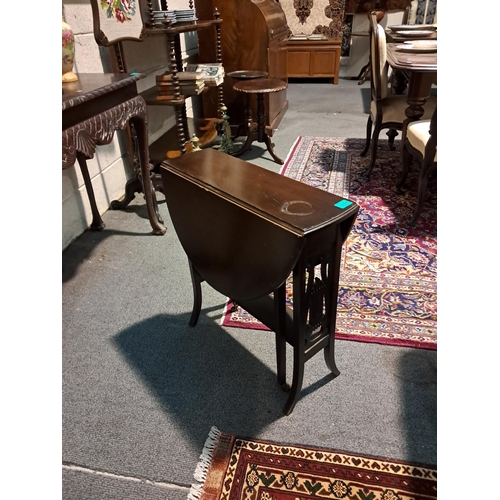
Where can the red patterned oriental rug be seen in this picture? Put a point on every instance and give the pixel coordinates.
(231, 468)
(388, 278)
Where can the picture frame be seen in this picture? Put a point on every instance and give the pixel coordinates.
(117, 20)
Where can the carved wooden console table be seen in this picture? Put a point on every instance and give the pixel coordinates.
(93, 108)
(290, 227)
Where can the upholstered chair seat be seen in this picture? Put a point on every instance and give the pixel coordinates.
(418, 134)
(394, 106)
(420, 143)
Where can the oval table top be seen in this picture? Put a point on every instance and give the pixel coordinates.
(247, 74)
(260, 85)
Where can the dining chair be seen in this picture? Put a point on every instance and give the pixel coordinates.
(387, 110)
(421, 144)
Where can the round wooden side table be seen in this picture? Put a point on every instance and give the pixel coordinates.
(240, 75)
(257, 131)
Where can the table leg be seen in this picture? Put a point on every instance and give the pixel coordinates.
(331, 300)
(247, 122)
(196, 281)
(269, 145)
(298, 335)
(280, 313)
(399, 82)
(147, 185)
(260, 134)
(252, 134)
(97, 223)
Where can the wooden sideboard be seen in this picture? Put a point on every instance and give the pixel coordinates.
(314, 59)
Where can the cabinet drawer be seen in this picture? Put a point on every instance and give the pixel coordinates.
(313, 59)
(299, 62)
(323, 63)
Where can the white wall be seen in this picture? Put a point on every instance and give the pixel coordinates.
(111, 167)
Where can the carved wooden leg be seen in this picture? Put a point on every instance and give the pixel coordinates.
(331, 300)
(251, 137)
(423, 179)
(363, 74)
(269, 145)
(373, 157)
(298, 335)
(405, 167)
(133, 186)
(399, 82)
(369, 124)
(247, 123)
(252, 133)
(140, 126)
(392, 134)
(280, 313)
(97, 223)
(261, 118)
(196, 280)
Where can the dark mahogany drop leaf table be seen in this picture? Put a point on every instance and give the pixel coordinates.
(245, 229)
(92, 109)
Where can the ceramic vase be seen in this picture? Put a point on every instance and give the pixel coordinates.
(68, 54)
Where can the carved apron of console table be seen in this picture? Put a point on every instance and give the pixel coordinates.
(289, 227)
(93, 108)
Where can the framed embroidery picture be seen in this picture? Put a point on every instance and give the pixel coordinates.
(117, 20)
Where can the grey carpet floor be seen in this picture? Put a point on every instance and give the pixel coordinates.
(141, 389)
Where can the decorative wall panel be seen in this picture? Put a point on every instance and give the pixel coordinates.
(307, 17)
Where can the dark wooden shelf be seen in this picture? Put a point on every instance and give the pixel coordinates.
(151, 98)
(167, 146)
(205, 129)
(182, 27)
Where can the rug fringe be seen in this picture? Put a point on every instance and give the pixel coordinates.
(290, 153)
(200, 473)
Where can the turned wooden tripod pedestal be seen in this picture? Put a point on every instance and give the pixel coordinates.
(243, 75)
(257, 131)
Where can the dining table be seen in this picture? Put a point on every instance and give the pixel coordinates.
(420, 70)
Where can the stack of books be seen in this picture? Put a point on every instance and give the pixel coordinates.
(190, 83)
(213, 73)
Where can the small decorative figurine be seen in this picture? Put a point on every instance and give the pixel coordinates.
(226, 145)
(196, 143)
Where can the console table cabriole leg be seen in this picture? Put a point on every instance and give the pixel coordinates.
(97, 223)
(298, 334)
(140, 125)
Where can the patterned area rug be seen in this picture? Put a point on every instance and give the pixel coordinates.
(239, 469)
(388, 279)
